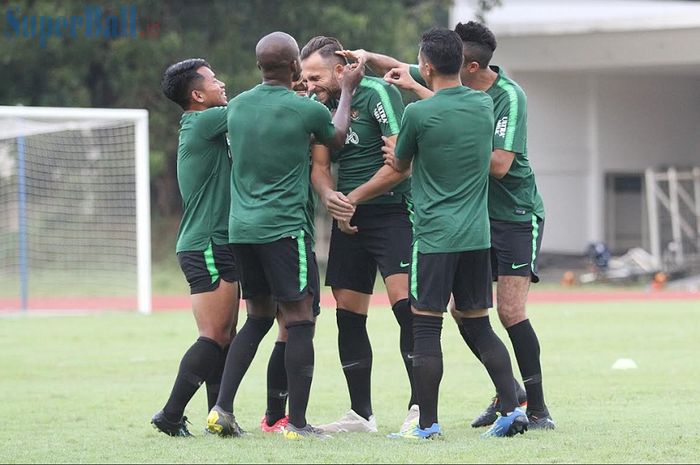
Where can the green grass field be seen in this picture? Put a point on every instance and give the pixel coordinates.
(79, 389)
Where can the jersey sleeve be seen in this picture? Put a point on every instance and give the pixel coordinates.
(319, 121)
(213, 122)
(386, 107)
(407, 142)
(415, 74)
(510, 133)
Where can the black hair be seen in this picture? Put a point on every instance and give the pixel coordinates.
(443, 49)
(325, 46)
(180, 79)
(479, 42)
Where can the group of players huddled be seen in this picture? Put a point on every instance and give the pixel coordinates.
(438, 195)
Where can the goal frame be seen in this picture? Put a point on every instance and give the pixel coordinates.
(139, 117)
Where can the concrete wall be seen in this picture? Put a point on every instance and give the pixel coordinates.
(584, 125)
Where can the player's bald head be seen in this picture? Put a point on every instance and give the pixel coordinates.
(276, 50)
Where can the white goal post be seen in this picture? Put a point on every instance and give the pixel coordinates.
(74, 208)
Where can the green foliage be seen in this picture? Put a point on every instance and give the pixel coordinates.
(125, 72)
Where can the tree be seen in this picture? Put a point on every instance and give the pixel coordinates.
(126, 72)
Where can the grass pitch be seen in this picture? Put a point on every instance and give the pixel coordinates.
(79, 389)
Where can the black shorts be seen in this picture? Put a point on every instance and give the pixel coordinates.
(204, 270)
(515, 247)
(466, 275)
(315, 286)
(285, 269)
(383, 240)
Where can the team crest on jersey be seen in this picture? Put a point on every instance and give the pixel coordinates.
(501, 127)
(352, 137)
(380, 114)
(354, 114)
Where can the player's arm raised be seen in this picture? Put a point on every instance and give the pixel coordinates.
(352, 75)
(401, 77)
(337, 204)
(381, 64)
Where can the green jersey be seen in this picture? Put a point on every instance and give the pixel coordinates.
(270, 175)
(448, 136)
(375, 111)
(203, 175)
(513, 197)
(310, 212)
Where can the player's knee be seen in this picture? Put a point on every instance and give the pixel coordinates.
(221, 336)
(511, 314)
(455, 315)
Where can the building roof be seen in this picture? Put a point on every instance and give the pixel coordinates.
(543, 17)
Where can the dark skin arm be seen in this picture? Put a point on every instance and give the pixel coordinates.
(336, 203)
(352, 75)
(501, 161)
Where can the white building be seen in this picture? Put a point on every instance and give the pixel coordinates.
(613, 88)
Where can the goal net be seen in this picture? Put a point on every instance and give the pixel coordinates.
(74, 209)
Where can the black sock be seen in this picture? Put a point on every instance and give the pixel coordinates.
(195, 366)
(470, 343)
(495, 358)
(276, 385)
(527, 353)
(299, 361)
(239, 358)
(356, 358)
(403, 314)
(213, 381)
(427, 366)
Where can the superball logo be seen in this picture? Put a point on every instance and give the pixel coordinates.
(94, 22)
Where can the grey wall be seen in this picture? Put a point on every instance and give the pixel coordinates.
(582, 126)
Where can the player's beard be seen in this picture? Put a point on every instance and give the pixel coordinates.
(324, 94)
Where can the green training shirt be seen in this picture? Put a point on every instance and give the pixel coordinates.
(448, 136)
(513, 197)
(270, 175)
(203, 176)
(376, 111)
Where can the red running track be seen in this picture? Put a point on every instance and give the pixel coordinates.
(182, 302)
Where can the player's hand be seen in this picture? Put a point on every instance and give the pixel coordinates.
(346, 227)
(338, 205)
(354, 55)
(401, 77)
(352, 75)
(300, 87)
(388, 152)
